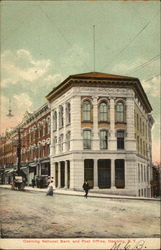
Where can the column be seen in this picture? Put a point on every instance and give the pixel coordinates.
(112, 138)
(52, 170)
(95, 174)
(95, 124)
(113, 174)
(59, 174)
(71, 174)
(57, 133)
(64, 139)
(66, 175)
(51, 135)
(130, 139)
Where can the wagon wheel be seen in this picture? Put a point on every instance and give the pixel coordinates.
(21, 186)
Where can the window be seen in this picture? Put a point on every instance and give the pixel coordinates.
(61, 118)
(48, 125)
(120, 139)
(88, 171)
(61, 143)
(54, 143)
(103, 139)
(119, 112)
(137, 122)
(87, 139)
(103, 112)
(142, 174)
(68, 115)
(68, 141)
(55, 120)
(140, 146)
(43, 128)
(138, 172)
(119, 173)
(86, 111)
(140, 126)
(143, 129)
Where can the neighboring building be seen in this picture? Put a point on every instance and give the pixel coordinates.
(156, 181)
(35, 146)
(101, 131)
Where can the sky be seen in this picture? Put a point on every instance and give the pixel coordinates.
(43, 42)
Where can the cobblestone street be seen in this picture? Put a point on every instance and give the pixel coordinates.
(35, 215)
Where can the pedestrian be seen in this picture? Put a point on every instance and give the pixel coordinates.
(86, 188)
(33, 182)
(50, 189)
(48, 180)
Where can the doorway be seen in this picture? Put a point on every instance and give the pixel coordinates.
(104, 173)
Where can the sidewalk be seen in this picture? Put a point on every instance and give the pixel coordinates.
(81, 193)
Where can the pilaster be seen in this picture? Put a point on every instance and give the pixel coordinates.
(112, 137)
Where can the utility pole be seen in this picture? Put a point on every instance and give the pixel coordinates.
(94, 48)
(19, 152)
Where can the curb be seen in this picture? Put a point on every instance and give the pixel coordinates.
(90, 195)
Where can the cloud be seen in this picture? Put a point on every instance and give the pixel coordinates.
(54, 79)
(152, 87)
(20, 66)
(19, 105)
(127, 66)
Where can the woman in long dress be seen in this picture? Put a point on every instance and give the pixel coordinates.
(50, 189)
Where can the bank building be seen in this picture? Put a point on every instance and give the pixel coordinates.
(101, 132)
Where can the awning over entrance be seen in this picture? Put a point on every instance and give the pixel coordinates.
(9, 171)
(33, 165)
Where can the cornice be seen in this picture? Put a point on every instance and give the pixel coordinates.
(132, 83)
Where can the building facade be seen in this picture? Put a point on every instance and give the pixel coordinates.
(34, 142)
(101, 131)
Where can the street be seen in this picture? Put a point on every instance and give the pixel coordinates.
(35, 215)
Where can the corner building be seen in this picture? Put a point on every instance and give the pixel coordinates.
(101, 131)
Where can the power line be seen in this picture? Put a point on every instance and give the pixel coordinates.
(133, 39)
(145, 64)
(151, 77)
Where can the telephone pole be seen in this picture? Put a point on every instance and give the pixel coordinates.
(19, 152)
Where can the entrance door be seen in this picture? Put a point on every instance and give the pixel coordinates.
(62, 173)
(68, 174)
(56, 174)
(88, 171)
(104, 173)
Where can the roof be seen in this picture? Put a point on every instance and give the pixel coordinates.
(92, 77)
(100, 75)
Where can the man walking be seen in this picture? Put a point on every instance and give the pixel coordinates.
(86, 188)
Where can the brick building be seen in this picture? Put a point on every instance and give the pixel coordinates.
(35, 146)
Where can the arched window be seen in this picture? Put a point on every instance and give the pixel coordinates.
(55, 120)
(61, 117)
(120, 112)
(86, 111)
(103, 111)
(68, 141)
(48, 125)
